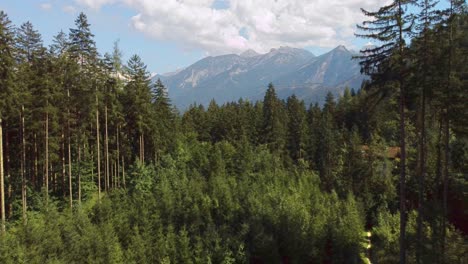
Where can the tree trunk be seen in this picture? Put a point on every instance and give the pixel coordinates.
(79, 174)
(2, 182)
(118, 157)
(47, 156)
(123, 172)
(70, 190)
(116, 166)
(107, 149)
(7, 172)
(63, 163)
(141, 148)
(23, 165)
(98, 149)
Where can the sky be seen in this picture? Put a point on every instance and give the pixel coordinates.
(172, 34)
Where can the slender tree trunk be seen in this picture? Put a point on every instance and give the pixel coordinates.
(79, 174)
(112, 169)
(47, 156)
(63, 163)
(70, 189)
(23, 166)
(92, 165)
(2, 180)
(36, 163)
(118, 156)
(117, 177)
(123, 172)
(98, 149)
(107, 148)
(7, 172)
(140, 156)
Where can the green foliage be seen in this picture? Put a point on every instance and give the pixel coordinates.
(243, 182)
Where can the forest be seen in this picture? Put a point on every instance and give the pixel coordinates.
(97, 166)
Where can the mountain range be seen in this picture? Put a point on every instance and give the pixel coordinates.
(229, 77)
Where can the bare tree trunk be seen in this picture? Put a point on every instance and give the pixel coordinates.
(7, 172)
(70, 190)
(63, 163)
(36, 163)
(92, 166)
(141, 148)
(107, 149)
(23, 165)
(47, 156)
(98, 149)
(123, 172)
(112, 175)
(79, 174)
(118, 157)
(2, 182)
(117, 177)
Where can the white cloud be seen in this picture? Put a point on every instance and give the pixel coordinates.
(267, 23)
(45, 6)
(94, 4)
(69, 9)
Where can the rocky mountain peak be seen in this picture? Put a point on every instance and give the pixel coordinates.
(249, 53)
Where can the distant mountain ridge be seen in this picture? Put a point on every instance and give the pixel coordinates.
(229, 77)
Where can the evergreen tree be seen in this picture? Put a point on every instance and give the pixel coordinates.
(165, 119)
(138, 104)
(81, 44)
(423, 63)
(297, 126)
(59, 44)
(274, 131)
(386, 62)
(7, 95)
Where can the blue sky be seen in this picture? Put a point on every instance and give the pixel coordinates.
(172, 34)
(108, 25)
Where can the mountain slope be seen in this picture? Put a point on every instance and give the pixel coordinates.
(230, 77)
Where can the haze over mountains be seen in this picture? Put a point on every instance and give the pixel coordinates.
(230, 77)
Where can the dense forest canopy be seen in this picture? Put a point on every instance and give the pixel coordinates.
(97, 166)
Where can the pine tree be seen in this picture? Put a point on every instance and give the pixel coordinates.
(165, 119)
(59, 44)
(6, 94)
(386, 62)
(82, 50)
(327, 145)
(30, 52)
(297, 126)
(81, 44)
(451, 20)
(274, 118)
(423, 61)
(138, 103)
